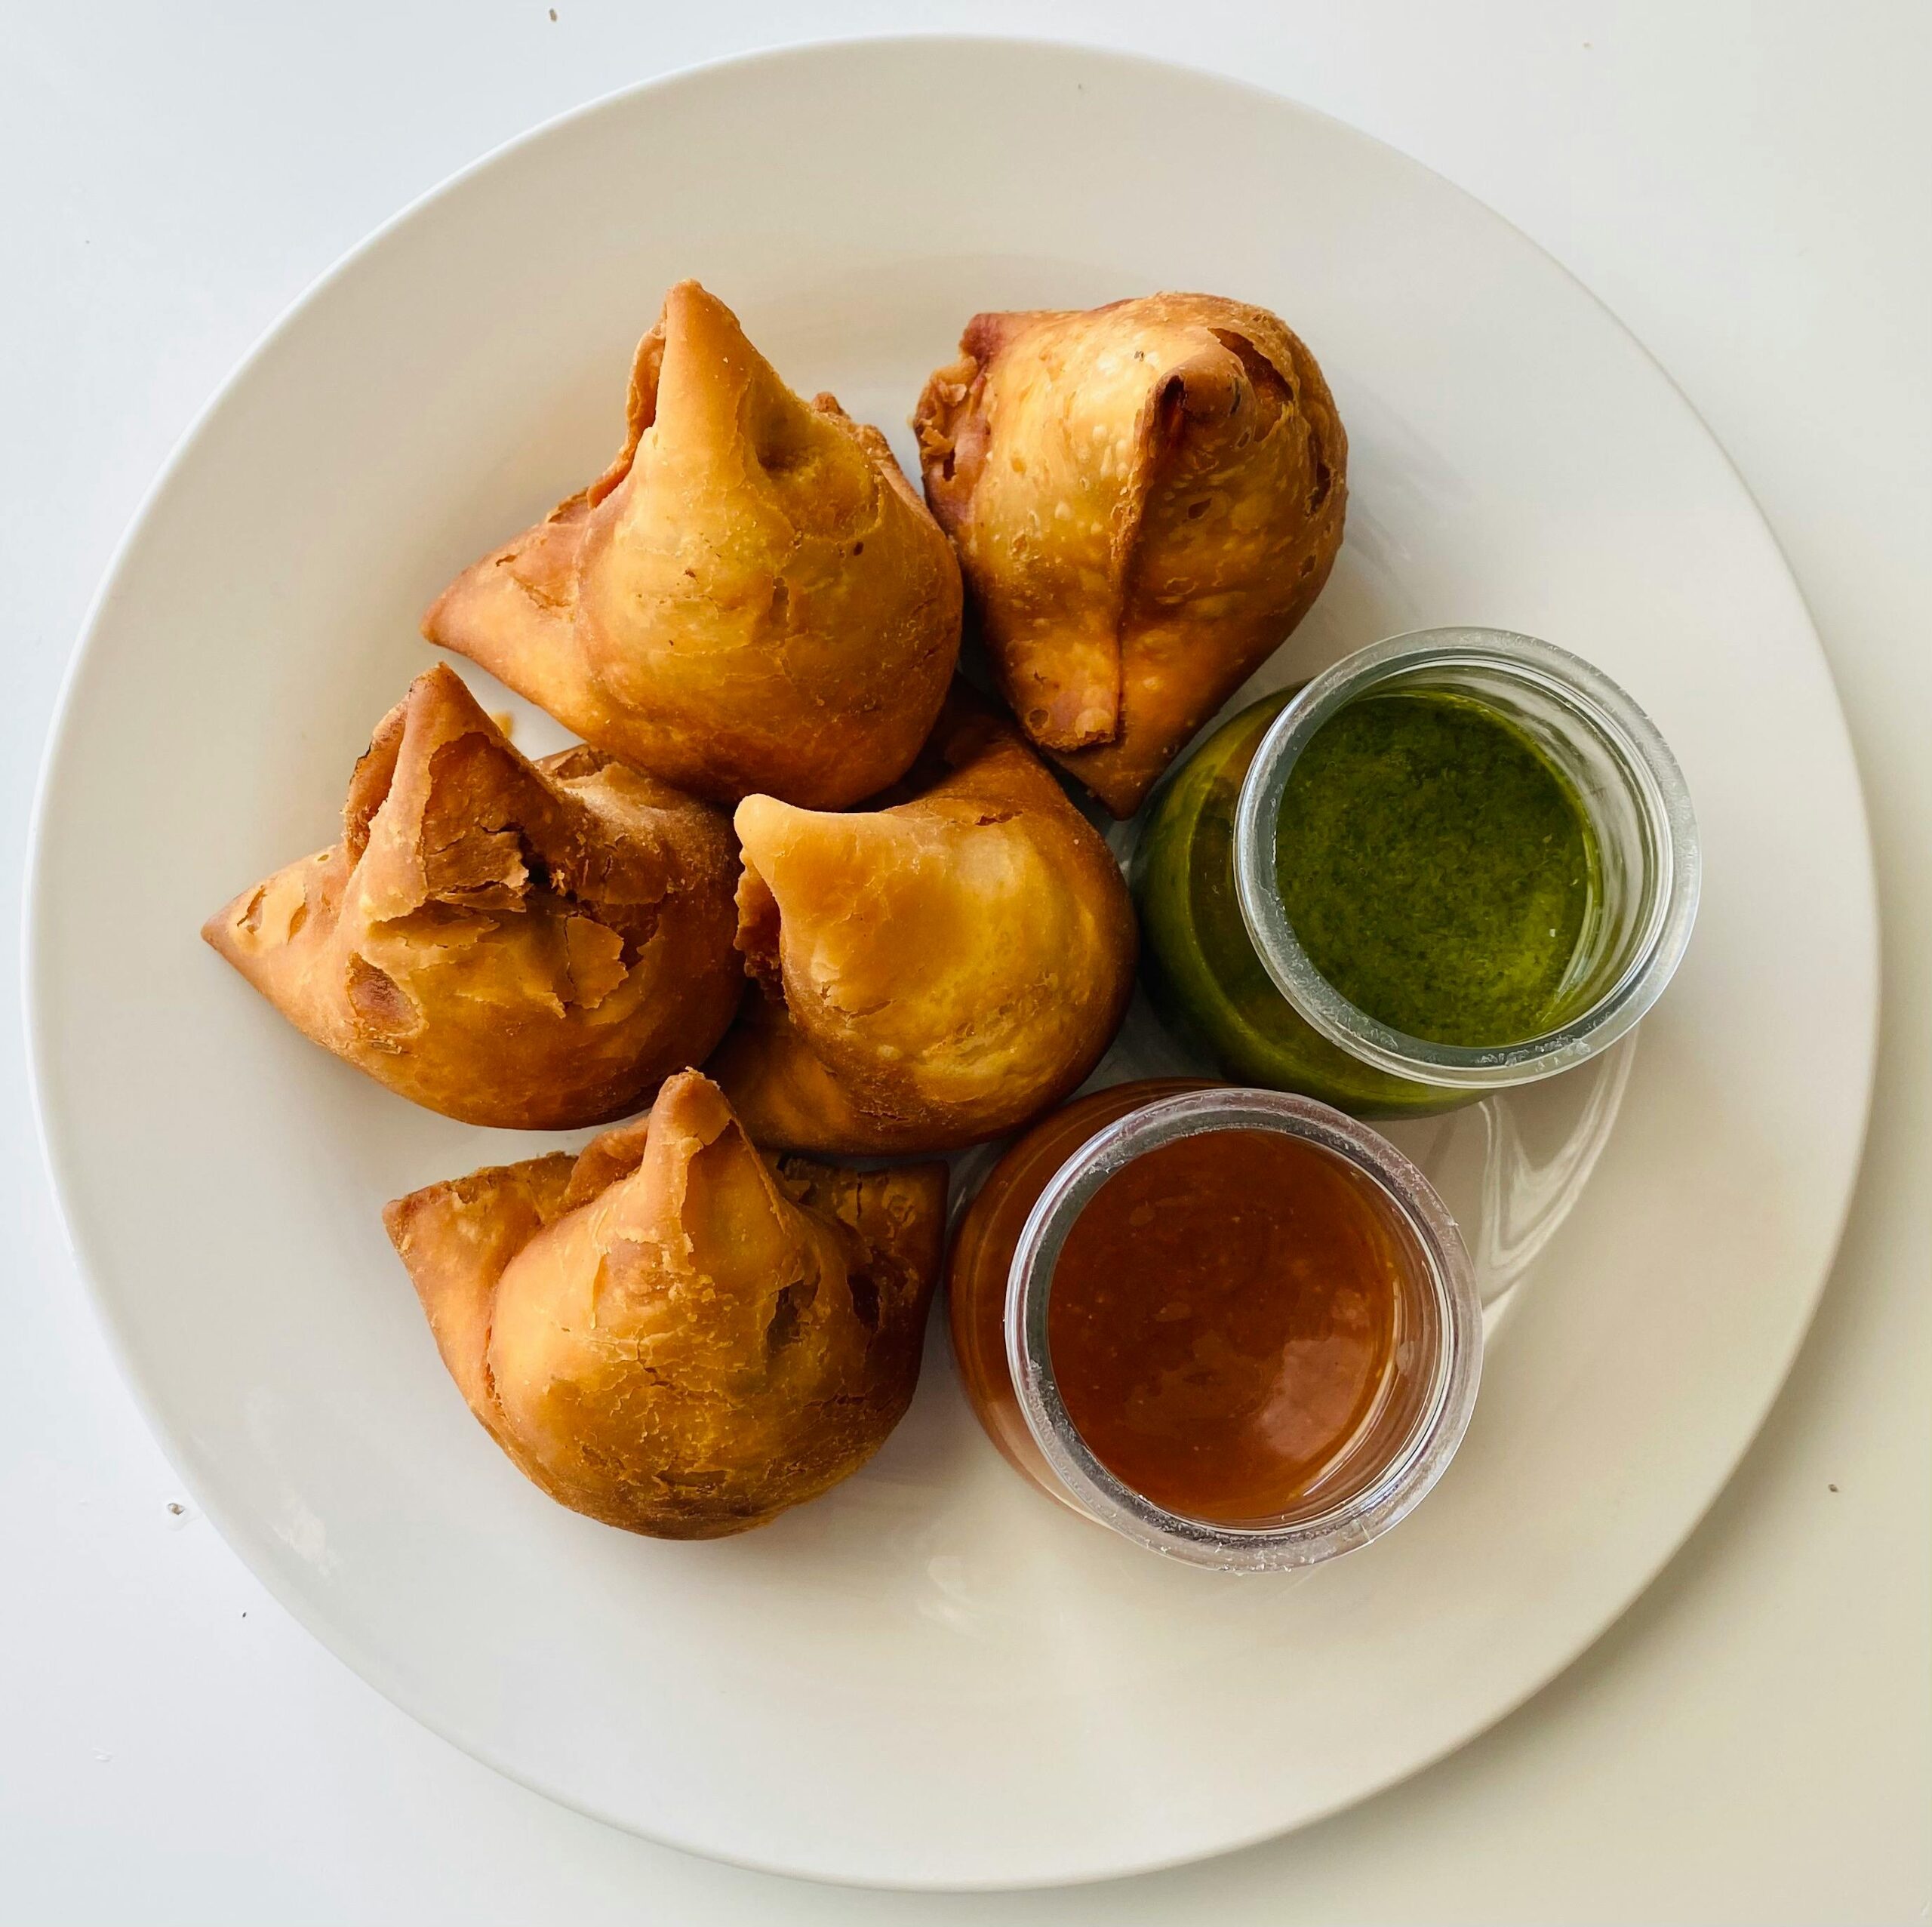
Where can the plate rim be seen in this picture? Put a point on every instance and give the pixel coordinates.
(201, 1479)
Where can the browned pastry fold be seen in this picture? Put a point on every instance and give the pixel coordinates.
(671, 1332)
(1146, 498)
(934, 973)
(532, 945)
(750, 598)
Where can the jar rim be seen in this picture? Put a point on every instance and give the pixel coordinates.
(1454, 1367)
(1593, 702)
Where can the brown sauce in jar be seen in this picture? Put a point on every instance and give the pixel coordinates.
(1222, 1322)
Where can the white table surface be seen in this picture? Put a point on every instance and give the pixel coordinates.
(1747, 186)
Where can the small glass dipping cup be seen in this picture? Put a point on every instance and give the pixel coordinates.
(1000, 1282)
(1624, 779)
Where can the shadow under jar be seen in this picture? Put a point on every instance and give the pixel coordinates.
(1215, 869)
(1233, 1325)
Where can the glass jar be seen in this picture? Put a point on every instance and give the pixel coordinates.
(1224, 962)
(1000, 1280)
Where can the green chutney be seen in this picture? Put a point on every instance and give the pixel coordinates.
(1436, 869)
(1199, 963)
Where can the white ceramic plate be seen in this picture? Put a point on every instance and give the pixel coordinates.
(933, 1677)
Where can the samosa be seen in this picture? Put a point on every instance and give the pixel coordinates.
(530, 945)
(933, 973)
(751, 597)
(671, 1332)
(1146, 498)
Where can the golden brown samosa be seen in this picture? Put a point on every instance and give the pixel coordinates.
(1146, 498)
(750, 598)
(671, 1332)
(933, 973)
(530, 945)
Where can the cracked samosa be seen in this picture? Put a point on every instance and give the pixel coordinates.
(932, 974)
(1146, 498)
(751, 597)
(530, 945)
(671, 1332)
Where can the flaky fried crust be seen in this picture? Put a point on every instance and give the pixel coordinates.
(751, 597)
(932, 974)
(671, 1332)
(1146, 498)
(530, 945)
